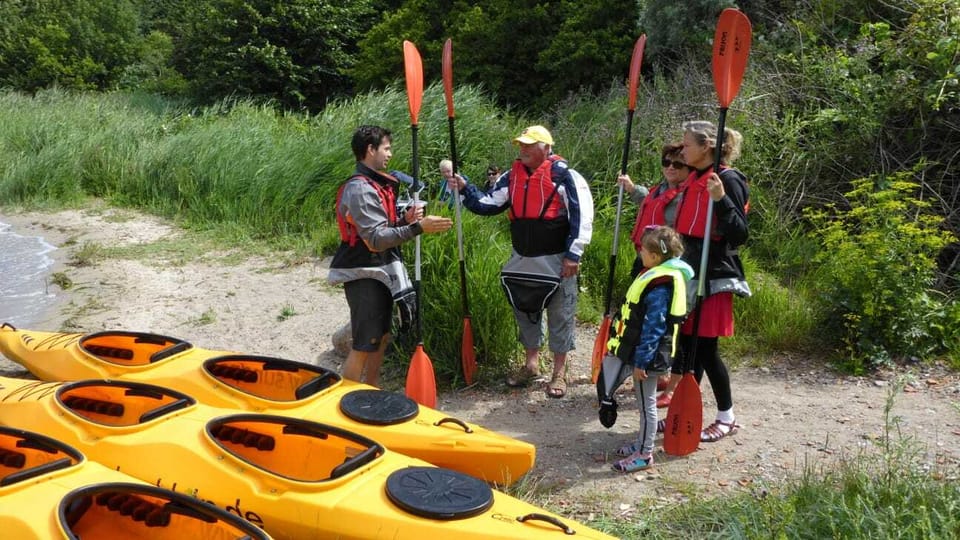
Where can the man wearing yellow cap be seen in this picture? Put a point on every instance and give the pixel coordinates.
(551, 221)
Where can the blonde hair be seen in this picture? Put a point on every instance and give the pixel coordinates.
(705, 134)
(663, 241)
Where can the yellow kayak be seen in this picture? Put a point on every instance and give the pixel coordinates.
(295, 478)
(49, 491)
(275, 386)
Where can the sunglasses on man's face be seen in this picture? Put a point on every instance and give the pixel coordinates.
(676, 164)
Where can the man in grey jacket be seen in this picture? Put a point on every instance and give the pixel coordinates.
(368, 261)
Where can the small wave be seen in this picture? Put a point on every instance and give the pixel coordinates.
(25, 294)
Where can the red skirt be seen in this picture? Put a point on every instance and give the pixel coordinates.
(716, 317)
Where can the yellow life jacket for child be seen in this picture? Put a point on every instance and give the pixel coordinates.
(625, 332)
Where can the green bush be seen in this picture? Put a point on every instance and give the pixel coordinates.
(877, 268)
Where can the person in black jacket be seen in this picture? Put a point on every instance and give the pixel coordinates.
(728, 190)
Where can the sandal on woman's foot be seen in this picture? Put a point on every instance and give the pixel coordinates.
(627, 450)
(634, 462)
(718, 430)
(522, 377)
(557, 387)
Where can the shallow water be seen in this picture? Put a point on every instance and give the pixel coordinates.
(25, 265)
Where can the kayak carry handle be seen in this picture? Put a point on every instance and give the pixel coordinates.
(549, 519)
(315, 385)
(456, 421)
(164, 409)
(8, 325)
(358, 461)
(32, 472)
(169, 351)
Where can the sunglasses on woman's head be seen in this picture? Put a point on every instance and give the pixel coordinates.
(676, 164)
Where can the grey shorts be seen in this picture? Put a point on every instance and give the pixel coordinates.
(560, 320)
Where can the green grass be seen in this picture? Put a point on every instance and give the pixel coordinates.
(62, 280)
(89, 254)
(285, 313)
(207, 317)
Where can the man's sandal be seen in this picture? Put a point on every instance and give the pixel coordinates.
(718, 430)
(557, 387)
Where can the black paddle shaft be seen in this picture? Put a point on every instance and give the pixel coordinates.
(608, 298)
(463, 267)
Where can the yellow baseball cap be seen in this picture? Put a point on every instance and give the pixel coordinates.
(534, 134)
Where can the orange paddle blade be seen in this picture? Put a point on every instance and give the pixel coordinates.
(468, 357)
(448, 76)
(599, 349)
(413, 70)
(635, 62)
(684, 418)
(421, 384)
(731, 47)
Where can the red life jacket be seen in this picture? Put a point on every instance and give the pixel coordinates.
(538, 222)
(692, 212)
(348, 230)
(652, 210)
(534, 196)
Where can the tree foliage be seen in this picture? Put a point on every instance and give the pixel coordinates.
(676, 30)
(294, 51)
(528, 53)
(80, 44)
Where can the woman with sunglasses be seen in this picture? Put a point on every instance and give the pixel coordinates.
(493, 174)
(728, 190)
(658, 207)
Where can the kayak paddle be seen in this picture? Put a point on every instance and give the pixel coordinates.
(600, 343)
(421, 383)
(468, 358)
(731, 47)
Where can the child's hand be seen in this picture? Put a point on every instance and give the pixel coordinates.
(639, 374)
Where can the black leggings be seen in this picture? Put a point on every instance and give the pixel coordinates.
(707, 360)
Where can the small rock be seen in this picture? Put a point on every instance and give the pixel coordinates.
(880, 384)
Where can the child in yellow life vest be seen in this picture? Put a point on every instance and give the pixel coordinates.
(645, 335)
